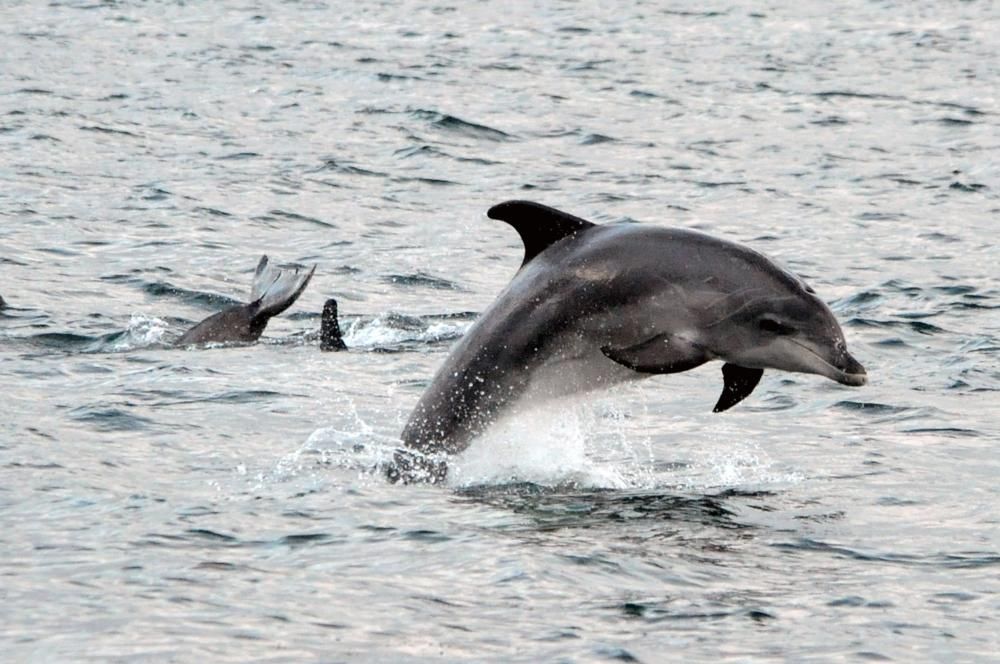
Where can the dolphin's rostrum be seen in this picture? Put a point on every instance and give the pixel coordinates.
(593, 306)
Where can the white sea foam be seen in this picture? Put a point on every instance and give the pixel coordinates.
(394, 329)
(729, 464)
(142, 331)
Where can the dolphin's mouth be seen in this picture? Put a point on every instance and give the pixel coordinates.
(852, 379)
(852, 373)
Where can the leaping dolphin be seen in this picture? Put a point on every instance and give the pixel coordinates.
(272, 292)
(593, 306)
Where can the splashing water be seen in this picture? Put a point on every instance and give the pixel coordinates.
(545, 446)
(142, 331)
(566, 443)
(741, 465)
(395, 329)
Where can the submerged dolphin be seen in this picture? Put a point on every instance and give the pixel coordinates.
(272, 292)
(593, 306)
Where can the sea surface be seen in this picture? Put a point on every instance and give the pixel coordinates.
(226, 505)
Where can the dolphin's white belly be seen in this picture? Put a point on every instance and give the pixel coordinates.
(578, 367)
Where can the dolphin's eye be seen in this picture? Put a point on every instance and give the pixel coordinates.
(774, 327)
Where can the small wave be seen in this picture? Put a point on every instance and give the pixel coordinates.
(215, 212)
(109, 130)
(422, 279)
(589, 65)
(110, 419)
(419, 151)
(238, 156)
(830, 121)
(971, 187)
(917, 326)
(199, 298)
(829, 94)
(596, 139)
(958, 560)
(955, 122)
(431, 181)
(330, 164)
(153, 193)
(386, 77)
(946, 432)
(860, 299)
(694, 14)
(282, 215)
(455, 125)
(61, 340)
(871, 407)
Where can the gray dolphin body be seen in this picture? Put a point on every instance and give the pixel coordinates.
(594, 306)
(272, 292)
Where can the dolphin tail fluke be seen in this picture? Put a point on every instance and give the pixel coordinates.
(330, 336)
(274, 290)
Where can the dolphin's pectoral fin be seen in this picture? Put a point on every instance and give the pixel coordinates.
(661, 354)
(739, 383)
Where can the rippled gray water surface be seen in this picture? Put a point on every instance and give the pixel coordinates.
(220, 504)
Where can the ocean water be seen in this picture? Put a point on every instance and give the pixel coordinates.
(220, 504)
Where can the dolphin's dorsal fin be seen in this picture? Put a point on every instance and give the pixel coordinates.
(538, 225)
(330, 336)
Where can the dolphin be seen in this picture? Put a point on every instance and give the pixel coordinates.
(597, 305)
(330, 336)
(2, 302)
(272, 292)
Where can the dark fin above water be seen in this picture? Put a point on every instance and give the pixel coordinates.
(3, 303)
(272, 292)
(538, 225)
(661, 354)
(739, 383)
(330, 336)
